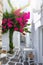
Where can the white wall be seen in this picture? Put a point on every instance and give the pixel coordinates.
(5, 41)
(37, 24)
(16, 40)
(36, 4)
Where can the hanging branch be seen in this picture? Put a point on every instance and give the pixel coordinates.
(25, 6)
(20, 8)
(10, 5)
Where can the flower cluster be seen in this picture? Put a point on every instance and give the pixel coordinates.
(6, 24)
(17, 21)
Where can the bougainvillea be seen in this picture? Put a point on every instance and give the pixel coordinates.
(17, 22)
(14, 21)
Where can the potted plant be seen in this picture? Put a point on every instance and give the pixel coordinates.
(15, 21)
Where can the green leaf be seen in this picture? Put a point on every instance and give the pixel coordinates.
(25, 29)
(28, 24)
(28, 31)
(6, 14)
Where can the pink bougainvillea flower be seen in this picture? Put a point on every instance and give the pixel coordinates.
(26, 21)
(16, 29)
(21, 30)
(14, 25)
(17, 12)
(21, 25)
(26, 15)
(4, 21)
(9, 25)
(19, 20)
(4, 27)
(10, 21)
(17, 23)
(23, 14)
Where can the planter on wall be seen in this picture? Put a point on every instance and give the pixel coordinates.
(5, 41)
(27, 36)
(16, 40)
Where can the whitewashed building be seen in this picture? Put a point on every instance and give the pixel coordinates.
(37, 30)
(36, 37)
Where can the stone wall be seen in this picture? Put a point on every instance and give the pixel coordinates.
(1, 15)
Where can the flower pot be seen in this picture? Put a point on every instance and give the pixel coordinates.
(5, 41)
(16, 39)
